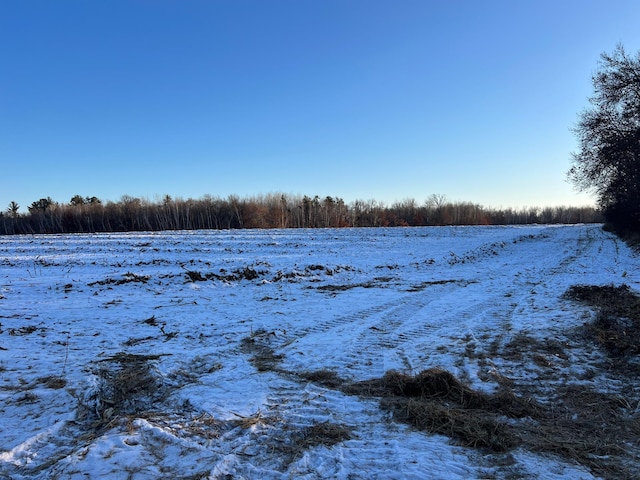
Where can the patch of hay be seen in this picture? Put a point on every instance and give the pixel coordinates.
(523, 345)
(435, 401)
(195, 276)
(325, 433)
(326, 378)
(295, 441)
(617, 324)
(469, 427)
(127, 385)
(247, 421)
(592, 428)
(54, 382)
(263, 356)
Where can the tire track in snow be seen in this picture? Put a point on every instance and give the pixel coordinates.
(367, 337)
(431, 322)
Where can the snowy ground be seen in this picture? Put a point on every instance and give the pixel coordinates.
(216, 327)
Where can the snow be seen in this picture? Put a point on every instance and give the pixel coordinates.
(355, 301)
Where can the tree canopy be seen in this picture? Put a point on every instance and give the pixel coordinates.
(608, 159)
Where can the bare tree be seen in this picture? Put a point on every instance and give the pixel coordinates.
(608, 159)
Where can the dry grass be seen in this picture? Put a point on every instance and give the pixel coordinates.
(597, 430)
(248, 421)
(434, 400)
(52, 381)
(295, 440)
(127, 277)
(325, 433)
(524, 346)
(423, 285)
(246, 273)
(21, 331)
(263, 356)
(128, 384)
(617, 323)
(327, 378)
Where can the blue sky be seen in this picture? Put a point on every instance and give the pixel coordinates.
(360, 99)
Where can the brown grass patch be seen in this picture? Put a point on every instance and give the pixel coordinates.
(22, 331)
(325, 433)
(128, 277)
(617, 324)
(434, 400)
(128, 384)
(263, 356)
(523, 345)
(296, 440)
(54, 382)
(247, 421)
(423, 285)
(470, 428)
(593, 428)
(597, 430)
(327, 378)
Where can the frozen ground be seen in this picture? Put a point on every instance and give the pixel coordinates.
(180, 355)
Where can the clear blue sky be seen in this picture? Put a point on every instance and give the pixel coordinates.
(361, 99)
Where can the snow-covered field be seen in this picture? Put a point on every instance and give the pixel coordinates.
(181, 354)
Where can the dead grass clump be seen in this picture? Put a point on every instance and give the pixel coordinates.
(376, 282)
(423, 285)
(128, 277)
(263, 356)
(523, 345)
(436, 383)
(135, 341)
(195, 276)
(201, 428)
(470, 428)
(247, 421)
(296, 440)
(596, 429)
(326, 378)
(152, 320)
(54, 382)
(27, 397)
(339, 288)
(128, 384)
(246, 273)
(325, 433)
(617, 324)
(21, 331)
(436, 401)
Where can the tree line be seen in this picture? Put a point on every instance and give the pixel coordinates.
(608, 158)
(90, 214)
